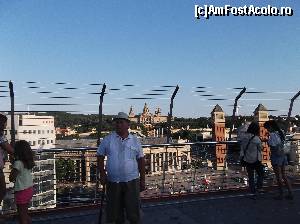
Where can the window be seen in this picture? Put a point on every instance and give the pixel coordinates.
(34, 131)
(34, 142)
(29, 131)
(263, 115)
(39, 131)
(48, 131)
(52, 131)
(220, 116)
(39, 142)
(47, 141)
(51, 141)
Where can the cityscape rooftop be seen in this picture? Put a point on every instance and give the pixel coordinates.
(191, 82)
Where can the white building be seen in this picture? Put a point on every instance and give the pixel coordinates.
(39, 131)
(174, 158)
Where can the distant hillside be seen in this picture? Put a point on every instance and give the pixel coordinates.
(81, 122)
(88, 122)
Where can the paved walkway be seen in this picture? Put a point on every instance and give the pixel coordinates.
(229, 209)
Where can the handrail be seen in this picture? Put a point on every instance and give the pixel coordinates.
(193, 169)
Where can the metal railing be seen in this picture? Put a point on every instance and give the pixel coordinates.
(67, 177)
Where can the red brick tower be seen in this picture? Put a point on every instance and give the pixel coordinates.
(261, 115)
(218, 134)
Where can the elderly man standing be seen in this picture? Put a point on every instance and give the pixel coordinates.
(125, 172)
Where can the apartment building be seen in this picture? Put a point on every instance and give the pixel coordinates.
(39, 131)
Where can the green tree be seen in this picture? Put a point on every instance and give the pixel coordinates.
(65, 170)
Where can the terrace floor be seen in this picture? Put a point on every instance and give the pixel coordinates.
(224, 208)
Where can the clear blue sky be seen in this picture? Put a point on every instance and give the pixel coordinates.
(148, 43)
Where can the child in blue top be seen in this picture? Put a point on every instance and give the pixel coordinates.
(278, 158)
(21, 176)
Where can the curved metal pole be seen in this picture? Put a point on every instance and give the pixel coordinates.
(288, 120)
(12, 114)
(170, 114)
(234, 110)
(100, 114)
(165, 159)
(98, 143)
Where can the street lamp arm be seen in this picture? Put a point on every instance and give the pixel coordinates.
(290, 110)
(100, 113)
(234, 110)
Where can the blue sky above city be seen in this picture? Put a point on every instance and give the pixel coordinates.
(147, 44)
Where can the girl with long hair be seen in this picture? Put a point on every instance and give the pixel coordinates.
(22, 178)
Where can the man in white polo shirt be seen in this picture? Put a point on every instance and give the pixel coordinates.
(124, 175)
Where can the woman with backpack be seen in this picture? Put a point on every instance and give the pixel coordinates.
(278, 158)
(251, 155)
